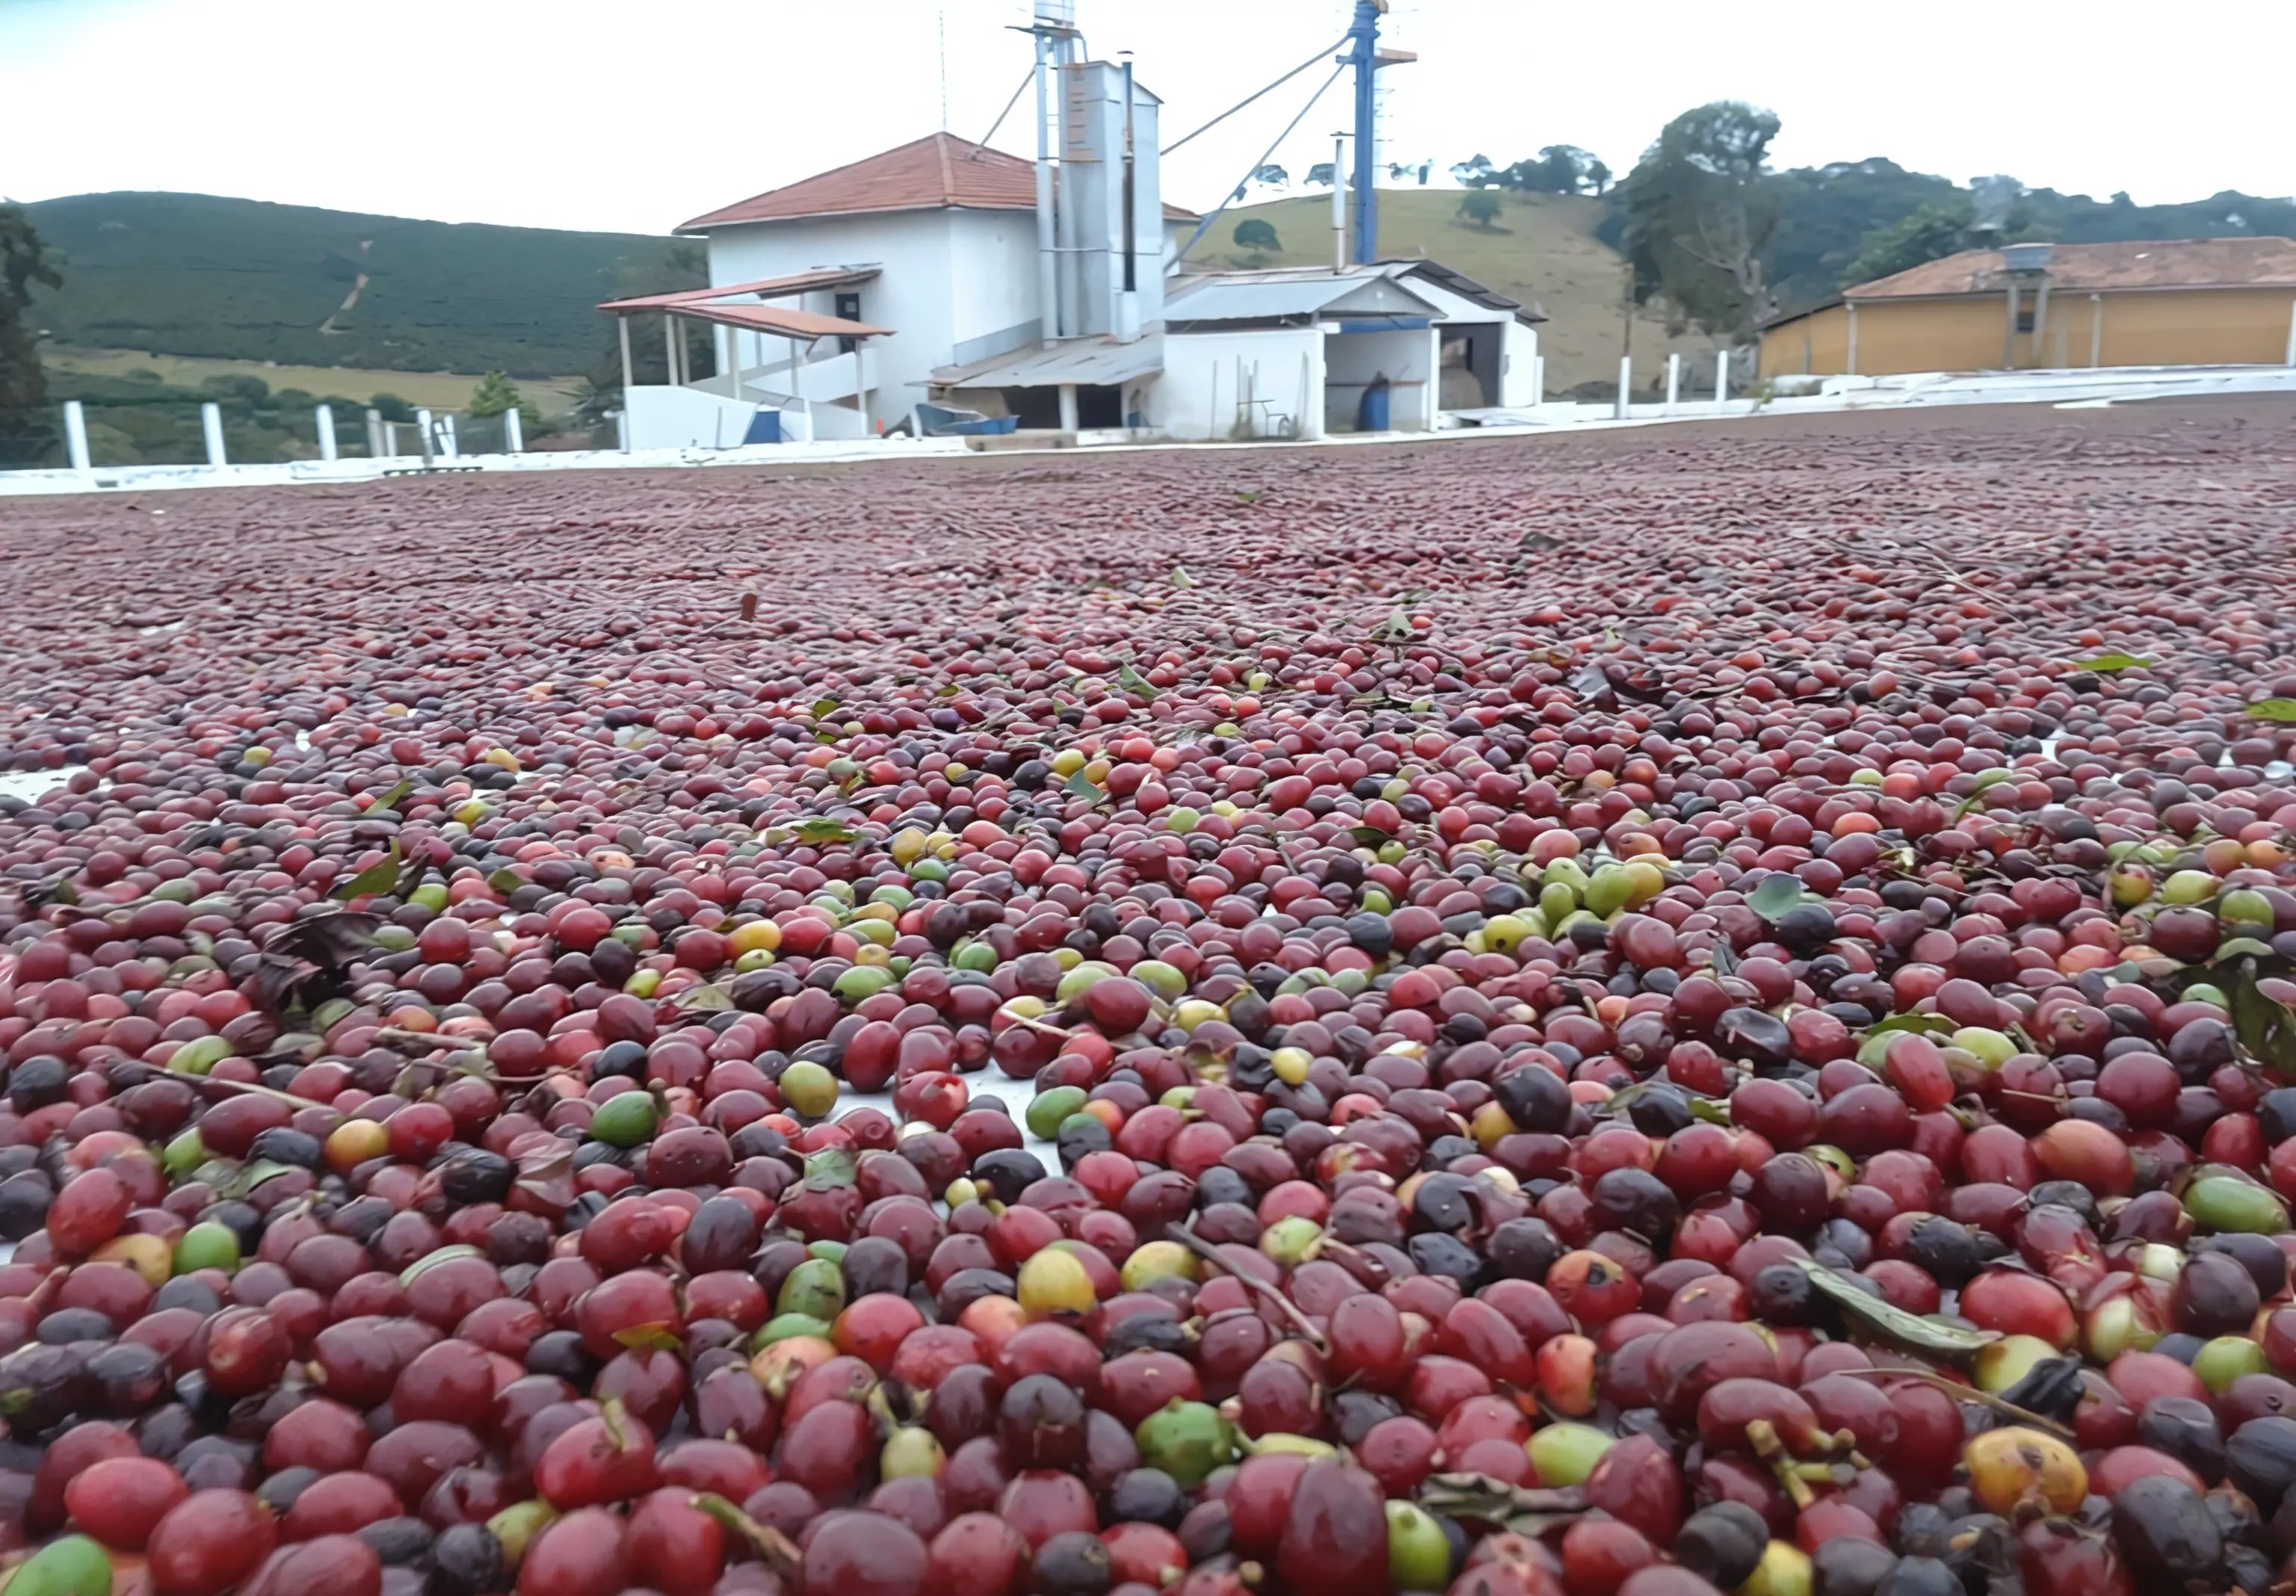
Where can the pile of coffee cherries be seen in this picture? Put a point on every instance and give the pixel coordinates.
(1626, 1019)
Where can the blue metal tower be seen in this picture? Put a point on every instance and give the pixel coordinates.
(1366, 57)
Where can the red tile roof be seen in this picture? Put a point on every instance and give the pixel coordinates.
(934, 173)
(2089, 268)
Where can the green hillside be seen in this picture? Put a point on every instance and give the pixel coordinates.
(1541, 250)
(242, 280)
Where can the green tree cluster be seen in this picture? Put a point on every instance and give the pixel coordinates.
(1256, 232)
(1727, 243)
(1699, 211)
(27, 430)
(1557, 169)
(496, 394)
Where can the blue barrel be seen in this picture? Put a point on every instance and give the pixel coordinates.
(1374, 410)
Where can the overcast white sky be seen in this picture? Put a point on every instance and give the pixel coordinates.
(633, 117)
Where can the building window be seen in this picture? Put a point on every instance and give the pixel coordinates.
(2025, 320)
(849, 310)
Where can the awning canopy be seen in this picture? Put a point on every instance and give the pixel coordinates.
(781, 321)
(1086, 362)
(1293, 293)
(765, 288)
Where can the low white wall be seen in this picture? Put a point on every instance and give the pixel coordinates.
(832, 423)
(1195, 400)
(686, 418)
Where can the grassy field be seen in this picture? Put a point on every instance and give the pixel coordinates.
(438, 390)
(1542, 251)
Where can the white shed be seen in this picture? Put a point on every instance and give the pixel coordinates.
(1302, 352)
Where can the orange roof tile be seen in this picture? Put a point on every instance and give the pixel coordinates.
(2089, 268)
(934, 173)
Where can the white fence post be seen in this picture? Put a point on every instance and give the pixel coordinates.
(76, 436)
(422, 433)
(1625, 381)
(1721, 377)
(326, 416)
(1673, 380)
(375, 447)
(451, 453)
(212, 424)
(1538, 379)
(513, 432)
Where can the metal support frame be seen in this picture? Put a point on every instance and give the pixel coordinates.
(1048, 281)
(1365, 59)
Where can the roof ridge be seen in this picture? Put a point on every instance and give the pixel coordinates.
(923, 174)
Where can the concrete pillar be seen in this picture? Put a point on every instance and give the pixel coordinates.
(375, 447)
(1538, 379)
(2009, 332)
(1625, 381)
(1673, 380)
(513, 431)
(2040, 322)
(212, 426)
(622, 431)
(422, 434)
(2096, 332)
(622, 332)
(1851, 364)
(1721, 377)
(669, 346)
(1067, 407)
(325, 417)
(451, 453)
(2291, 359)
(76, 436)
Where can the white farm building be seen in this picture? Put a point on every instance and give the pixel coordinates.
(1042, 295)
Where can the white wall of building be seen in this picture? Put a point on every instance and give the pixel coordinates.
(1407, 357)
(1518, 366)
(1195, 399)
(910, 294)
(992, 283)
(949, 282)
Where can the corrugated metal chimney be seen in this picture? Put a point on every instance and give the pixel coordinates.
(1054, 21)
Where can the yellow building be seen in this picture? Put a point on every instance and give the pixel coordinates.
(2214, 301)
